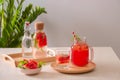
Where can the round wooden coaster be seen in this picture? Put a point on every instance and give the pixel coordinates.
(68, 68)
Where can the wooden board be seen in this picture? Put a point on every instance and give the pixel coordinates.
(13, 58)
(71, 69)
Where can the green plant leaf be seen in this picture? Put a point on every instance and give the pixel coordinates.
(21, 63)
(13, 20)
(35, 12)
(40, 64)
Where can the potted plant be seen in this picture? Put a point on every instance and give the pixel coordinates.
(0, 14)
(13, 19)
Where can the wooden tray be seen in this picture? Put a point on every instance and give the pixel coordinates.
(13, 58)
(71, 69)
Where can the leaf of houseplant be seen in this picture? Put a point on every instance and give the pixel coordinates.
(13, 19)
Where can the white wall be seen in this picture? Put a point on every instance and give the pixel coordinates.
(98, 20)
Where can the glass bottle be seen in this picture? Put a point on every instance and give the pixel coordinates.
(40, 41)
(27, 48)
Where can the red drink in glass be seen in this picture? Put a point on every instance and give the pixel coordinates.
(80, 54)
(62, 56)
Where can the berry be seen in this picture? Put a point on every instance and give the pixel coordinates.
(28, 64)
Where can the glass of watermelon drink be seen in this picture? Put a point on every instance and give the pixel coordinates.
(62, 56)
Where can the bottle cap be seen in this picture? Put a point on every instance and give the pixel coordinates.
(39, 25)
(27, 23)
(26, 26)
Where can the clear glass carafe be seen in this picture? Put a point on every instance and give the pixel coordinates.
(27, 46)
(40, 41)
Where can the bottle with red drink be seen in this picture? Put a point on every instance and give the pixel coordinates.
(40, 41)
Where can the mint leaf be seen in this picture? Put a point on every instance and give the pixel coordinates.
(21, 63)
(40, 64)
(77, 37)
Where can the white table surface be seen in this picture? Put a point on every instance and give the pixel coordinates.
(107, 68)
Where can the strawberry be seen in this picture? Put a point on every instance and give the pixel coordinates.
(29, 64)
(34, 62)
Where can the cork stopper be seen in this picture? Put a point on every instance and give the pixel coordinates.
(39, 25)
